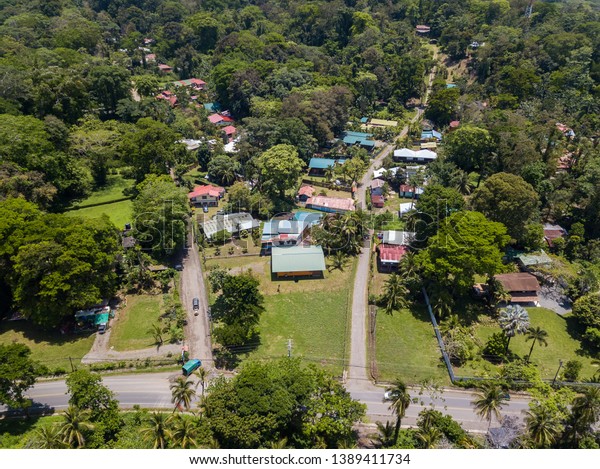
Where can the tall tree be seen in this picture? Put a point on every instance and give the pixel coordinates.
(536, 335)
(543, 426)
(399, 401)
(182, 393)
(489, 402)
(279, 168)
(513, 320)
(75, 426)
(18, 373)
(470, 148)
(395, 294)
(157, 430)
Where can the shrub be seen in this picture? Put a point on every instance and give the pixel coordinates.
(587, 310)
(520, 371)
(495, 347)
(572, 370)
(592, 335)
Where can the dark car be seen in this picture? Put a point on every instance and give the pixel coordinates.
(178, 267)
(196, 304)
(205, 209)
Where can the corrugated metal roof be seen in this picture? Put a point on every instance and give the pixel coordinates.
(333, 203)
(323, 163)
(297, 259)
(518, 282)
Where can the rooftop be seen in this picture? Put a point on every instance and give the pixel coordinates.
(297, 259)
(229, 130)
(334, 203)
(306, 190)
(534, 259)
(323, 163)
(518, 282)
(391, 253)
(398, 238)
(230, 222)
(213, 191)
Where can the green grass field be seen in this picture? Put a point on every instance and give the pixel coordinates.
(49, 348)
(131, 330)
(118, 212)
(113, 190)
(406, 347)
(563, 344)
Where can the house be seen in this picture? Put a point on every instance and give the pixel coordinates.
(150, 58)
(219, 119)
(330, 204)
(388, 256)
(318, 166)
(382, 172)
(163, 68)
(229, 132)
(232, 223)
(378, 201)
(297, 261)
(382, 123)
(377, 184)
(453, 125)
(409, 192)
(431, 135)
(305, 193)
(411, 171)
(551, 232)
(168, 96)
(428, 145)
(565, 130)
(422, 29)
(190, 144)
(406, 155)
(358, 138)
(449, 86)
(288, 232)
(529, 262)
(522, 287)
(193, 83)
(397, 238)
(207, 196)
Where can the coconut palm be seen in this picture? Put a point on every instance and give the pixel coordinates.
(463, 182)
(184, 433)
(586, 407)
(385, 435)
(202, 374)
(47, 437)
(489, 401)
(338, 261)
(428, 436)
(536, 335)
(399, 402)
(156, 332)
(395, 294)
(75, 424)
(182, 393)
(157, 430)
(543, 426)
(513, 320)
(282, 443)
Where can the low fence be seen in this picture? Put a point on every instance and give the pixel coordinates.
(454, 378)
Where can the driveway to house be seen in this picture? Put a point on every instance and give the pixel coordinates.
(197, 331)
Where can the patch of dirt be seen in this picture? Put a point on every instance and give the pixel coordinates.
(257, 267)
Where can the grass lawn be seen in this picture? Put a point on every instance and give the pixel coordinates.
(312, 312)
(563, 344)
(406, 347)
(118, 212)
(113, 190)
(49, 348)
(131, 330)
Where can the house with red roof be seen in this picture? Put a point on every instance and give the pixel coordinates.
(164, 68)
(220, 119)
(230, 132)
(552, 232)
(208, 196)
(305, 193)
(168, 96)
(378, 201)
(389, 255)
(194, 83)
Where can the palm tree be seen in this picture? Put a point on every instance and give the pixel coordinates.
(429, 436)
(338, 261)
(202, 374)
(536, 334)
(74, 426)
(385, 436)
(157, 430)
(394, 294)
(513, 320)
(329, 173)
(489, 401)
(399, 402)
(586, 407)
(463, 182)
(543, 427)
(156, 332)
(282, 443)
(182, 393)
(184, 433)
(47, 437)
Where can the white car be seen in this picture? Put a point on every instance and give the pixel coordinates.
(388, 395)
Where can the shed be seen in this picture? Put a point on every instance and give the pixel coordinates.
(305, 193)
(297, 261)
(530, 261)
(552, 232)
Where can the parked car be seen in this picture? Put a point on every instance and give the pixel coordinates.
(205, 209)
(101, 328)
(196, 304)
(178, 267)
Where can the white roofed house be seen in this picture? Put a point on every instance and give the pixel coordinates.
(232, 223)
(407, 155)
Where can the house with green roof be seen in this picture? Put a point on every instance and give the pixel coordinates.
(317, 166)
(297, 261)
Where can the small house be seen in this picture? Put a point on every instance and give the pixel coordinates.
(378, 201)
(318, 166)
(409, 192)
(422, 29)
(288, 232)
(194, 83)
(229, 133)
(206, 196)
(150, 58)
(232, 223)
(453, 125)
(330, 204)
(406, 155)
(305, 193)
(219, 119)
(164, 68)
(397, 238)
(168, 96)
(358, 138)
(382, 123)
(427, 135)
(528, 262)
(522, 287)
(297, 261)
(389, 256)
(552, 232)
(383, 172)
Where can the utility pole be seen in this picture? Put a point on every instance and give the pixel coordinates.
(560, 364)
(289, 346)
(71, 361)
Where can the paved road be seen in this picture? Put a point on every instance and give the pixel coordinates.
(197, 332)
(151, 390)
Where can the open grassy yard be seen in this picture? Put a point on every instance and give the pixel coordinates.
(113, 190)
(118, 212)
(563, 344)
(406, 347)
(48, 347)
(312, 312)
(131, 330)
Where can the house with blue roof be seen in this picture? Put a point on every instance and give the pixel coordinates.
(317, 166)
(430, 135)
(362, 139)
